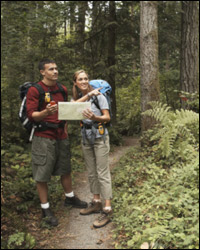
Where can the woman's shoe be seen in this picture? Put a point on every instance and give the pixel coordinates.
(94, 207)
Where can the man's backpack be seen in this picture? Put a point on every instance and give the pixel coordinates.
(106, 91)
(27, 124)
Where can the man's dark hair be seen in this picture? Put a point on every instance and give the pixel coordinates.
(43, 62)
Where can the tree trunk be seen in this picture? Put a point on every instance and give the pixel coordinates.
(72, 17)
(111, 57)
(189, 47)
(148, 58)
(94, 42)
(80, 28)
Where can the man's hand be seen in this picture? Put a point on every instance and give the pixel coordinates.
(51, 109)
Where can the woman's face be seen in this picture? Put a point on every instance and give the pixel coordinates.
(82, 81)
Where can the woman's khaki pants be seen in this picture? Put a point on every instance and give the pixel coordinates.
(97, 162)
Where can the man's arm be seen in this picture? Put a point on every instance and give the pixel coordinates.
(32, 106)
(38, 116)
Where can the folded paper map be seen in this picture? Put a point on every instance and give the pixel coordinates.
(72, 110)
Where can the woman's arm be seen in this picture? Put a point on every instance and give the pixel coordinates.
(104, 118)
(86, 97)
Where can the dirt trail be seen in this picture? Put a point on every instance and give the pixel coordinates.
(76, 231)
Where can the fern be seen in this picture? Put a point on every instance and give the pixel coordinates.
(159, 112)
(173, 132)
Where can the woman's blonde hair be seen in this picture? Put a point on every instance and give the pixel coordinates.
(75, 90)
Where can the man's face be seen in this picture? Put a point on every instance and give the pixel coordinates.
(50, 72)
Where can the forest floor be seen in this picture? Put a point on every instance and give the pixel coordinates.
(75, 231)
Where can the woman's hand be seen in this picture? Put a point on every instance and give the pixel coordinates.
(94, 92)
(89, 114)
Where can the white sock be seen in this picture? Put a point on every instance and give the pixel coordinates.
(107, 208)
(69, 195)
(45, 205)
(96, 200)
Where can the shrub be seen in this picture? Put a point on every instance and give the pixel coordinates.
(156, 187)
(176, 131)
(128, 108)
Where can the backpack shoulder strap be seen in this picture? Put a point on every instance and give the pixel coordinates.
(96, 102)
(41, 94)
(39, 88)
(62, 91)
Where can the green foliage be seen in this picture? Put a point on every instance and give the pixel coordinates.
(189, 100)
(169, 50)
(17, 178)
(115, 135)
(21, 240)
(20, 195)
(169, 80)
(74, 131)
(176, 131)
(128, 105)
(155, 205)
(156, 188)
(35, 29)
(77, 160)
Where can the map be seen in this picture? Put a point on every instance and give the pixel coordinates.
(72, 110)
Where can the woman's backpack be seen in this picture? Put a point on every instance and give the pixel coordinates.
(106, 91)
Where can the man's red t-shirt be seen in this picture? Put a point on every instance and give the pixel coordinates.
(32, 103)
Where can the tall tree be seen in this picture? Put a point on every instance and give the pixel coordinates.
(150, 89)
(111, 55)
(80, 27)
(72, 16)
(189, 46)
(95, 41)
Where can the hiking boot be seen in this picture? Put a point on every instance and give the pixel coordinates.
(94, 207)
(75, 202)
(103, 219)
(49, 217)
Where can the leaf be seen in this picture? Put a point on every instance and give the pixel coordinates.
(137, 208)
(145, 245)
(3, 152)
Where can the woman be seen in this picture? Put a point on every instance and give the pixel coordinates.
(95, 146)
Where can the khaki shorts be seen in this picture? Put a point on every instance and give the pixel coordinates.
(50, 157)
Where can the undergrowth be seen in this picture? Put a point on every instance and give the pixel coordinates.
(20, 205)
(156, 187)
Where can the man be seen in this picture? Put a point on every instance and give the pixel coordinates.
(50, 145)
